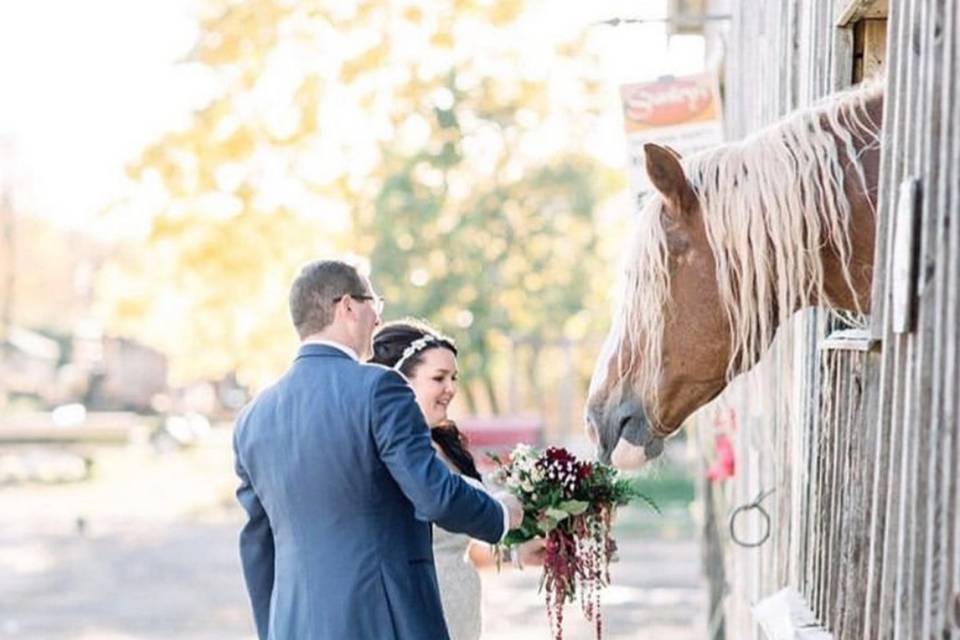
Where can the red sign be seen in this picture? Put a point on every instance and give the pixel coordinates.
(670, 102)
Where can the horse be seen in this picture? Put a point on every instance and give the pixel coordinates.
(731, 243)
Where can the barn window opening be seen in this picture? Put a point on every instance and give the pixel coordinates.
(863, 23)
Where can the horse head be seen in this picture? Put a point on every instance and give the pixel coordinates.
(733, 241)
(670, 348)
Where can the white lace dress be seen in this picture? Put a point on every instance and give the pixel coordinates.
(459, 582)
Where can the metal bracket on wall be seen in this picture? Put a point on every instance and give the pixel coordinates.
(680, 20)
(849, 340)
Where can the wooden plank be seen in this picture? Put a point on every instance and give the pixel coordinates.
(834, 454)
(801, 477)
(849, 340)
(61, 435)
(854, 10)
(928, 580)
(843, 51)
(874, 47)
(891, 163)
(924, 585)
(97, 427)
(824, 511)
(887, 496)
(812, 424)
(900, 563)
(713, 558)
(804, 477)
(821, 75)
(862, 427)
(851, 523)
(904, 262)
(951, 159)
(785, 615)
(948, 610)
(909, 556)
(905, 568)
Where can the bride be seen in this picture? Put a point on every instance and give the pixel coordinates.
(428, 360)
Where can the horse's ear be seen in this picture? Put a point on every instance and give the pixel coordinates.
(671, 150)
(666, 175)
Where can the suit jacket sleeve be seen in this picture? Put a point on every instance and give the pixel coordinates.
(403, 440)
(256, 550)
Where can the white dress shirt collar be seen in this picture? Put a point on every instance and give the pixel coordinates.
(336, 345)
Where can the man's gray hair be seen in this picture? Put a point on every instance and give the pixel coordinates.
(313, 293)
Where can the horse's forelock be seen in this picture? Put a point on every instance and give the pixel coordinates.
(645, 294)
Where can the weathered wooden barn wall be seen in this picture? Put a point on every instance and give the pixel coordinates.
(849, 427)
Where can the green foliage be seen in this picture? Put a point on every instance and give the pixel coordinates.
(415, 133)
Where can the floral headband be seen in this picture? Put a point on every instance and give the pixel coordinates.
(416, 347)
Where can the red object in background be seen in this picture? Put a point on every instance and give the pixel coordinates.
(498, 435)
(725, 465)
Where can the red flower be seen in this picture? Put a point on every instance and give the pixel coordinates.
(725, 465)
(559, 454)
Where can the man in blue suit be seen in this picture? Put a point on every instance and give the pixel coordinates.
(340, 483)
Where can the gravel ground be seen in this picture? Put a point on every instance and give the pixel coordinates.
(146, 550)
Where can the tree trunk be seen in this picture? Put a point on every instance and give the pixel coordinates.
(533, 375)
(8, 250)
(491, 391)
(713, 567)
(470, 398)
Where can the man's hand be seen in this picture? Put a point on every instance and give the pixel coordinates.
(514, 508)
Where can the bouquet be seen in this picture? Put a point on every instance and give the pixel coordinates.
(569, 503)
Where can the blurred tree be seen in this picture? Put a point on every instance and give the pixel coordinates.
(53, 270)
(444, 140)
(8, 267)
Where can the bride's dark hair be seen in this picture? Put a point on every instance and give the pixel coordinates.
(389, 343)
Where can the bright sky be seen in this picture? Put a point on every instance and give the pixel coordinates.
(84, 86)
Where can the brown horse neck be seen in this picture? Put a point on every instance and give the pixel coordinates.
(863, 207)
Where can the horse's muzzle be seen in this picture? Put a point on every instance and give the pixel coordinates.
(628, 442)
(636, 432)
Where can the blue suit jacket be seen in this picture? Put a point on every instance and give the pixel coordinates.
(340, 482)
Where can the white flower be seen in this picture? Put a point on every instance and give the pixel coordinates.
(522, 452)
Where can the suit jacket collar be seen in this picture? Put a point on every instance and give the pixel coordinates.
(323, 349)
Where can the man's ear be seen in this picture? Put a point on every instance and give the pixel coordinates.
(342, 306)
(667, 177)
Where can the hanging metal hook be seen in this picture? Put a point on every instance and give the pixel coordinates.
(763, 514)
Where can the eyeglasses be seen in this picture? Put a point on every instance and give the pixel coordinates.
(375, 301)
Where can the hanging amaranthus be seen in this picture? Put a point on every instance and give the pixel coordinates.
(569, 503)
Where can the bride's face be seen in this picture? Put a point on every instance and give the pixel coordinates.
(434, 383)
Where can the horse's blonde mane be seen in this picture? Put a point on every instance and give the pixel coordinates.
(768, 203)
